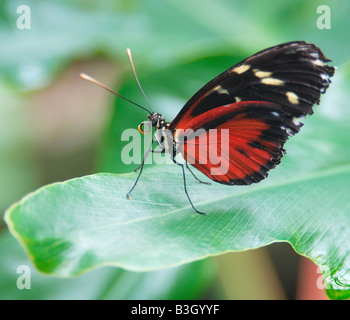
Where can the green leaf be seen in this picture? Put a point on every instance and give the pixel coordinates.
(104, 283)
(68, 228)
(71, 227)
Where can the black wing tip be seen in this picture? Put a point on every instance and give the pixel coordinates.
(309, 49)
(315, 54)
(314, 75)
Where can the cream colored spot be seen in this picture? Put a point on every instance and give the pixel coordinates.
(272, 81)
(241, 69)
(296, 121)
(318, 62)
(238, 99)
(221, 90)
(261, 74)
(292, 97)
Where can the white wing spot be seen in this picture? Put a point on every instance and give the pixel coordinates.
(296, 121)
(241, 69)
(318, 62)
(325, 77)
(289, 132)
(238, 99)
(292, 97)
(272, 81)
(261, 74)
(221, 90)
(314, 54)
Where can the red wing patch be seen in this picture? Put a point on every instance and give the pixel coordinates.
(238, 144)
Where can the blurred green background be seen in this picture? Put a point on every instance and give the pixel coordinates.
(54, 126)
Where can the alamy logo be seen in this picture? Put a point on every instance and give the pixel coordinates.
(24, 20)
(24, 280)
(200, 146)
(324, 20)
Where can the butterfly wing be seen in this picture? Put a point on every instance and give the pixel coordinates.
(240, 143)
(292, 74)
(248, 112)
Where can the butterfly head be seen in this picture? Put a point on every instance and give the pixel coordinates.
(155, 120)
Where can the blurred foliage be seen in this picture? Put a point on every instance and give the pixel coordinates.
(171, 31)
(177, 46)
(184, 282)
(17, 169)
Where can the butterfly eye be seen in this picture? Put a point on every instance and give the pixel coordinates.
(144, 128)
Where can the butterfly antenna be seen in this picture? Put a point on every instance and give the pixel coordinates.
(88, 78)
(128, 52)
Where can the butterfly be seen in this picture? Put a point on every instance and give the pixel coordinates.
(245, 115)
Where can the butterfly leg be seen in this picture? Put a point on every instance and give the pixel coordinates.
(184, 178)
(137, 179)
(141, 167)
(199, 180)
(145, 156)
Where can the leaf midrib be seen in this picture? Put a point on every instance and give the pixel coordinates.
(330, 172)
